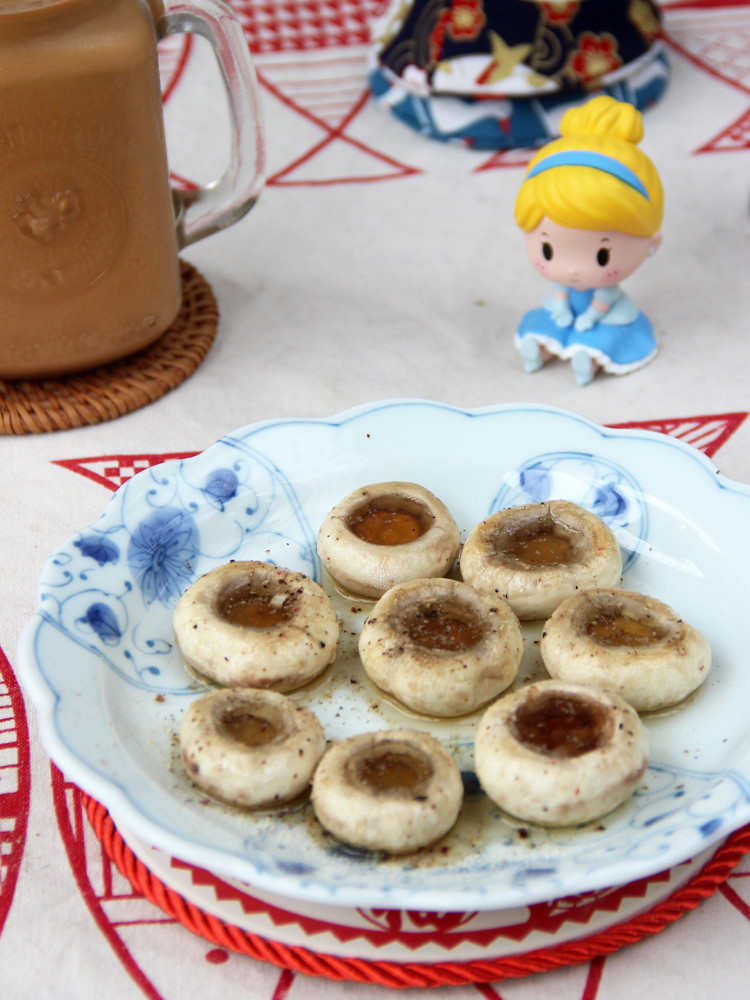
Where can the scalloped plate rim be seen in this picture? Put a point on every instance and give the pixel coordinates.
(183, 845)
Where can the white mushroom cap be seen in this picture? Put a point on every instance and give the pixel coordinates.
(249, 747)
(448, 678)
(368, 569)
(490, 559)
(628, 643)
(394, 791)
(524, 769)
(282, 655)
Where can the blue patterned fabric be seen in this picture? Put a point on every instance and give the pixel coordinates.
(505, 123)
(499, 74)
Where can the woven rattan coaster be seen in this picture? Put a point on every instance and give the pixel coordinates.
(113, 390)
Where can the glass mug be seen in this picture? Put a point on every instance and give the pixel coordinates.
(90, 227)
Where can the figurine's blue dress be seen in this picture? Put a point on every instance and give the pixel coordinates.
(621, 341)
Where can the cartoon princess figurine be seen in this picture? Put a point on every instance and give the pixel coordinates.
(591, 206)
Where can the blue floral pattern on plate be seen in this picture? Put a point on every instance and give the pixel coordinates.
(600, 485)
(99, 661)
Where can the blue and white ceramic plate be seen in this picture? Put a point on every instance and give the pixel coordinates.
(99, 662)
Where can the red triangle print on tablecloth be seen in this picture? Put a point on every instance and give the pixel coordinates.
(715, 36)
(311, 57)
(738, 893)
(113, 470)
(735, 136)
(294, 26)
(324, 163)
(15, 784)
(590, 988)
(707, 434)
(507, 159)
(138, 932)
(141, 931)
(174, 52)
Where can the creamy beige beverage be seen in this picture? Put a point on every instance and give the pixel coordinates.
(88, 252)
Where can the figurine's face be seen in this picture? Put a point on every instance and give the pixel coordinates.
(582, 258)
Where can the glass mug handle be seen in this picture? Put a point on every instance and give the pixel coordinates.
(208, 209)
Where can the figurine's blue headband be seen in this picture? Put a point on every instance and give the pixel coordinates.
(587, 158)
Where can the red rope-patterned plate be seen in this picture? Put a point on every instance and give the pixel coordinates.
(402, 949)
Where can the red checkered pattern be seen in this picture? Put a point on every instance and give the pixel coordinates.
(15, 784)
(718, 39)
(9, 781)
(272, 26)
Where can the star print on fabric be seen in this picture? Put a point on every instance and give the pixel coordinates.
(643, 15)
(505, 58)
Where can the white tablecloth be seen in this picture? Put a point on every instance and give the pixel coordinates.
(377, 264)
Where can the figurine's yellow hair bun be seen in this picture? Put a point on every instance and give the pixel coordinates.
(578, 192)
(604, 116)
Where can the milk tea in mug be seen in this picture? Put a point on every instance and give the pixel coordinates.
(90, 228)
